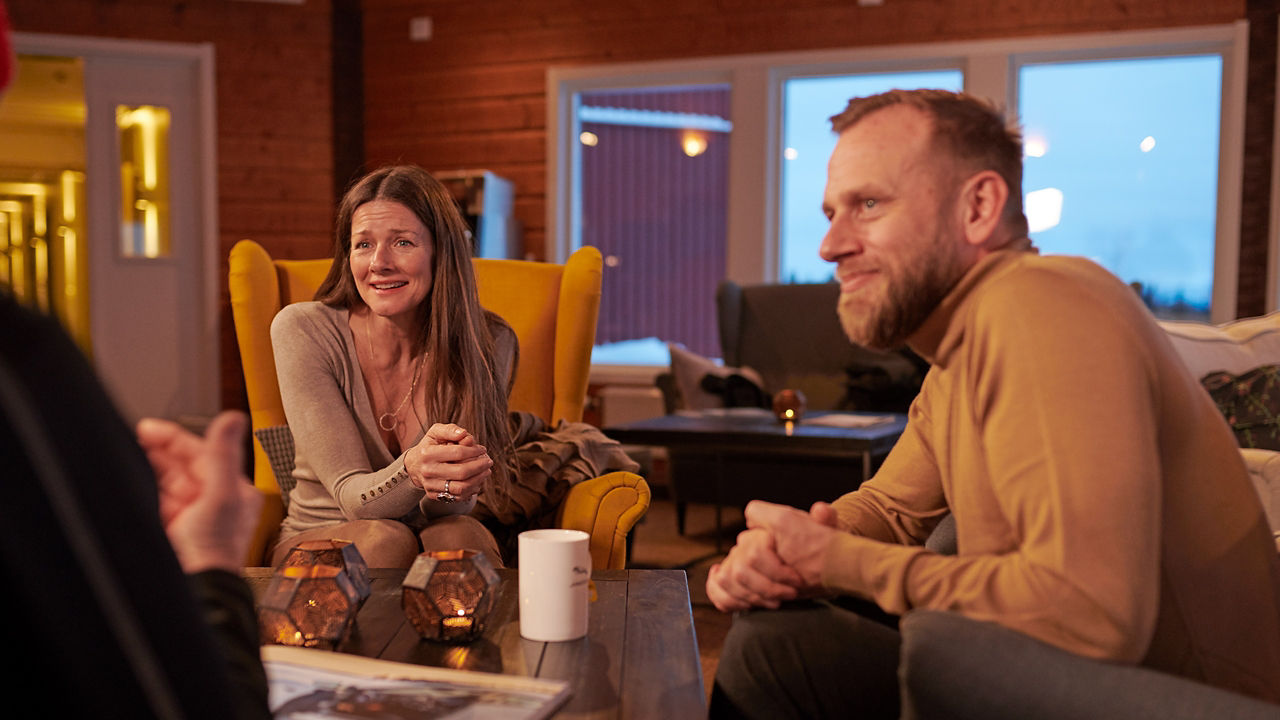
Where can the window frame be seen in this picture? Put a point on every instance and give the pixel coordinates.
(990, 69)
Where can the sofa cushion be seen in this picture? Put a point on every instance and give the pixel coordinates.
(690, 369)
(277, 442)
(1234, 347)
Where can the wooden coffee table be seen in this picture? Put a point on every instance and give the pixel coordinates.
(638, 660)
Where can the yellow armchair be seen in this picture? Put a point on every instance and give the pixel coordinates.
(552, 309)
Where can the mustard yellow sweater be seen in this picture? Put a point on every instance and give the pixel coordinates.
(1101, 502)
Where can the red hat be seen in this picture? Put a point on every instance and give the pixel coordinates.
(6, 50)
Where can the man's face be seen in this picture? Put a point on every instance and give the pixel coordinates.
(894, 235)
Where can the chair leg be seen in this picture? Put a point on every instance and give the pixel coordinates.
(681, 506)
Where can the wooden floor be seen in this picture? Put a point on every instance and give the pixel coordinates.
(656, 544)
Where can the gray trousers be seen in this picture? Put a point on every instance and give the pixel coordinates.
(833, 658)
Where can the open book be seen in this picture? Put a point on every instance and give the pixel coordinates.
(307, 683)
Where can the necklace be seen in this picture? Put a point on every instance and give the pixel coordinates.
(388, 420)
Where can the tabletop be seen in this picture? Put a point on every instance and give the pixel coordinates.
(638, 660)
(757, 430)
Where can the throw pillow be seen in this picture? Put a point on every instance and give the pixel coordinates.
(690, 369)
(277, 442)
(1251, 404)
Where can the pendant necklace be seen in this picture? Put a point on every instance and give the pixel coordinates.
(388, 420)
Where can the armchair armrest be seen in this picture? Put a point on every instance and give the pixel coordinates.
(606, 507)
(956, 668)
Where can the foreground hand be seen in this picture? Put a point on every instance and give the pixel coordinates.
(801, 538)
(752, 575)
(448, 453)
(208, 507)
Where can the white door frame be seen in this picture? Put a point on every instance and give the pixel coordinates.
(199, 393)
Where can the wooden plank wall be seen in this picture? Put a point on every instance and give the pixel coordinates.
(274, 116)
(474, 96)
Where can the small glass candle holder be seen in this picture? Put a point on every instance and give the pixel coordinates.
(314, 595)
(447, 595)
(789, 405)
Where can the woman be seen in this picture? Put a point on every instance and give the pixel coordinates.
(395, 381)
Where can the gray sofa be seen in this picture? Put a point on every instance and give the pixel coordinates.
(956, 668)
(783, 336)
(791, 336)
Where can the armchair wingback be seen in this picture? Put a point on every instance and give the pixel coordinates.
(552, 309)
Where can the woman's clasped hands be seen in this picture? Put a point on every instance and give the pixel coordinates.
(448, 464)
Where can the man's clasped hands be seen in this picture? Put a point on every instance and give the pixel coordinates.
(778, 557)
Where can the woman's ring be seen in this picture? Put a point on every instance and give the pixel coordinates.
(446, 488)
(446, 497)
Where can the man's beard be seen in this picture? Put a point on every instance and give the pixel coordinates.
(915, 287)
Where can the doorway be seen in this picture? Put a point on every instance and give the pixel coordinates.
(141, 247)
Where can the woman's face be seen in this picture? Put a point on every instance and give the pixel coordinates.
(391, 254)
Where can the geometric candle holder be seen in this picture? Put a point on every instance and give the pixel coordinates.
(314, 595)
(447, 595)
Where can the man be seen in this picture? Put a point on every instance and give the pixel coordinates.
(1100, 501)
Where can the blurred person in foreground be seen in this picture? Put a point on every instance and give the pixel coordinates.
(120, 601)
(1101, 503)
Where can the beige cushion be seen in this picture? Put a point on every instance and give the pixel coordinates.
(1235, 347)
(1264, 471)
(689, 367)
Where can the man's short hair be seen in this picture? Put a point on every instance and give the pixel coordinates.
(970, 129)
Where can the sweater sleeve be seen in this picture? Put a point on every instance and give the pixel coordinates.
(1063, 472)
(320, 391)
(227, 605)
(904, 501)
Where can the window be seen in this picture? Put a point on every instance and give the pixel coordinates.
(653, 163)
(1121, 166)
(144, 180)
(773, 194)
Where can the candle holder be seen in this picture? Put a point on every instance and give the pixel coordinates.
(448, 594)
(314, 595)
(789, 405)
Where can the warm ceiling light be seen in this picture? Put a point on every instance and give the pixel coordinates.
(589, 139)
(694, 144)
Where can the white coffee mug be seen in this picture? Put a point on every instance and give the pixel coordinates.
(555, 584)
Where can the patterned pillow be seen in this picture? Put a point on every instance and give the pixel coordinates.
(1251, 404)
(277, 442)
